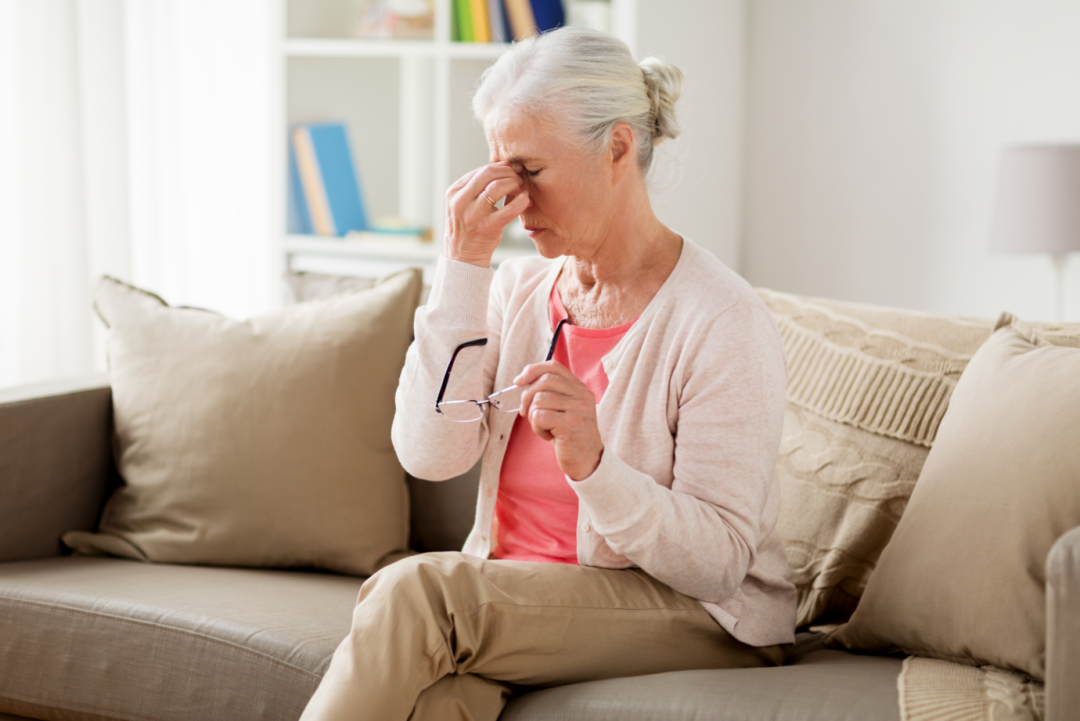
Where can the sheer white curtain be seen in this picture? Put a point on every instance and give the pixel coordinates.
(44, 245)
(201, 120)
(136, 139)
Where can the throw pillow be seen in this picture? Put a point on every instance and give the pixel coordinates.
(963, 578)
(303, 286)
(867, 388)
(256, 443)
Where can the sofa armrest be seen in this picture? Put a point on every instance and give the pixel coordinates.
(1063, 627)
(55, 461)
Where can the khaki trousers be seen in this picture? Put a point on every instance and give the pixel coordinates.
(439, 636)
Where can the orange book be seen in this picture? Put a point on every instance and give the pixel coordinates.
(522, 20)
(481, 25)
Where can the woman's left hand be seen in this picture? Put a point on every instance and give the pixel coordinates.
(562, 409)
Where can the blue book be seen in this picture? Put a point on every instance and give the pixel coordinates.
(549, 14)
(507, 30)
(297, 212)
(331, 189)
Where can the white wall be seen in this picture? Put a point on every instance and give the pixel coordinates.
(873, 130)
(698, 176)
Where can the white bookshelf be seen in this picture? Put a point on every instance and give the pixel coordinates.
(406, 104)
(329, 48)
(385, 247)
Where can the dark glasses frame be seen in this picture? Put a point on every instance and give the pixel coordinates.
(483, 342)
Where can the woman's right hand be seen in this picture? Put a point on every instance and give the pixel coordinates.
(474, 225)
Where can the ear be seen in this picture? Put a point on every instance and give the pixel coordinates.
(622, 150)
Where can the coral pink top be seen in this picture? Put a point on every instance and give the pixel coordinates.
(536, 510)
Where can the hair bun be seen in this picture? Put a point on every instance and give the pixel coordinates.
(663, 83)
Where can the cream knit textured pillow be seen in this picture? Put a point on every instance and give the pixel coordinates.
(963, 578)
(867, 387)
(256, 443)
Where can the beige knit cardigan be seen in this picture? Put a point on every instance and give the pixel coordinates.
(691, 424)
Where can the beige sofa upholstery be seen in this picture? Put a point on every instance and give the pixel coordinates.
(120, 639)
(103, 638)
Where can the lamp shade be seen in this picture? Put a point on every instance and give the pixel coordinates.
(1037, 209)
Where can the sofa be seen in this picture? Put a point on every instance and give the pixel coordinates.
(96, 637)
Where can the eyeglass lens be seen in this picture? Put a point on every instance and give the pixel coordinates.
(461, 411)
(507, 400)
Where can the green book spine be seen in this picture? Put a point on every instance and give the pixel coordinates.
(464, 18)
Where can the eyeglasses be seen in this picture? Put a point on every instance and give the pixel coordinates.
(507, 400)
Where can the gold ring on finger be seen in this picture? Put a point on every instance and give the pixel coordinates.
(488, 198)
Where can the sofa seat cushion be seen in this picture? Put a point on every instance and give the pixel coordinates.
(119, 639)
(104, 638)
(823, 684)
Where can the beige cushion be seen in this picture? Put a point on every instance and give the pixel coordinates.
(963, 578)
(93, 638)
(303, 286)
(104, 638)
(843, 491)
(257, 443)
(811, 686)
(867, 388)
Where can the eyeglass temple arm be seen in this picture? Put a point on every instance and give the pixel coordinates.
(555, 338)
(482, 342)
(450, 366)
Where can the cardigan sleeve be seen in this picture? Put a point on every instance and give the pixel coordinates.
(459, 309)
(701, 535)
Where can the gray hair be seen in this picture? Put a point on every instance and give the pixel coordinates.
(588, 80)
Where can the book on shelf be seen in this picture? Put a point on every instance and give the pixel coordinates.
(298, 222)
(329, 190)
(484, 21)
(463, 13)
(522, 22)
(500, 32)
(325, 196)
(481, 28)
(548, 14)
(529, 17)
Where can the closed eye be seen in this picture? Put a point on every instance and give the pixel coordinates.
(532, 173)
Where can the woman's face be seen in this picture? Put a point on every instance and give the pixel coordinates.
(572, 193)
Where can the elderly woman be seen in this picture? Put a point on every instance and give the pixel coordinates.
(625, 391)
